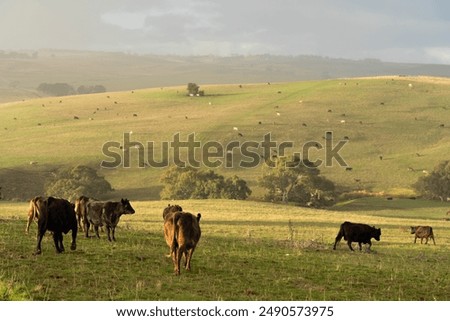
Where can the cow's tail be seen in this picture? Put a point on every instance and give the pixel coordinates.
(176, 218)
(339, 236)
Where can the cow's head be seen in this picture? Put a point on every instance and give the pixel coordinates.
(413, 229)
(126, 206)
(376, 233)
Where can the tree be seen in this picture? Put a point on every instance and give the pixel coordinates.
(57, 89)
(435, 185)
(80, 180)
(188, 182)
(192, 88)
(297, 181)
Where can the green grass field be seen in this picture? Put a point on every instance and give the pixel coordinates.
(248, 251)
(383, 117)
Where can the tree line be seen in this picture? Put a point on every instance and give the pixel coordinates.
(64, 89)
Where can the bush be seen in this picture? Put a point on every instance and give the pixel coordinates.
(188, 182)
(436, 185)
(74, 182)
(297, 181)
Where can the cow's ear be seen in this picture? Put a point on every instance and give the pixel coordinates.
(122, 201)
(198, 217)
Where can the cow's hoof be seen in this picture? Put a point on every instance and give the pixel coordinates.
(38, 252)
(73, 247)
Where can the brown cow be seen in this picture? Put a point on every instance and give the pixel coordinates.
(81, 209)
(108, 213)
(32, 212)
(357, 232)
(182, 233)
(170, 209)
(56, 215)
(422, 232)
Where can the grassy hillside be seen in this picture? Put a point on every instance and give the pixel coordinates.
(248, 251)
(404, 120)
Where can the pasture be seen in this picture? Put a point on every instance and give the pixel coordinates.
(380, 116)
(248, 251)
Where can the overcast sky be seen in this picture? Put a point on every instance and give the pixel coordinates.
(390, 30)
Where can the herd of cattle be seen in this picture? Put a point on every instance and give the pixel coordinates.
(181, 229)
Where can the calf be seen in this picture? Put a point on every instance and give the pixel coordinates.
(422, 232)
(108, 214)
(56, 215)
(182, 233)
(357, 232)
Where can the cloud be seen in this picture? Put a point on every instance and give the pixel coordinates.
(390, 30)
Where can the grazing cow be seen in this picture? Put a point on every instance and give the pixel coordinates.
(107, 213)
(422, 232)
(32, 212)
(58, 216)
(357, 232)
(182, 233)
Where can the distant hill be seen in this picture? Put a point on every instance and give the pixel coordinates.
(396, 128)
(21, 74)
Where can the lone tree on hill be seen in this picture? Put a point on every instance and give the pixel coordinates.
(435, 185)
(194, 90)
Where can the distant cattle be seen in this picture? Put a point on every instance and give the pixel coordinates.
(32, 214)
(58, 216)
(108, 214)
(182, 233)
(357, 232)
(422, 232)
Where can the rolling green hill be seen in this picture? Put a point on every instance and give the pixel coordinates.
(404, 120)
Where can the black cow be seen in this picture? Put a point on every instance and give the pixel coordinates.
(182, 233)
(422, 232)
(58, 216)
(357, 232)
(108, 214)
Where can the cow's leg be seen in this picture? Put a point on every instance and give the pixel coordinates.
(370, 245)
(350, 245)
(87, 225)
(415, 239)
(73, 246)
(432, 237)
(40, 235)
(96, 231)
(360, 246)
(188, 258)
(421, 240)
(108, 231)
(426, 240)
(179, 254)
(57, 237)
(114, 233)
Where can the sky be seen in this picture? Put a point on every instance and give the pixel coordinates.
(389, 30)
